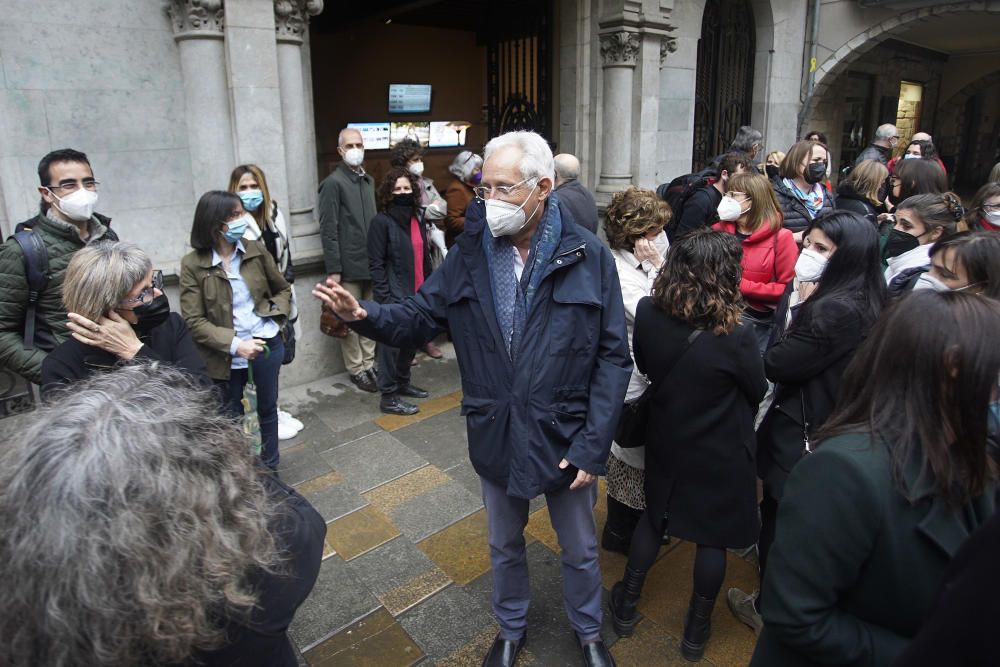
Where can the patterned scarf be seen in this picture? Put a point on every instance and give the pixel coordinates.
(813, 199)
(512, 298)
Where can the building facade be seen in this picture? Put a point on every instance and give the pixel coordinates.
(167, 96)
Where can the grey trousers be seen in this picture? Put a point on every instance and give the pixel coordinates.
(572, 515)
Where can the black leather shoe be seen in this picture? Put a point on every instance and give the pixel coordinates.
(364, 382)
(596, 654)
(504, 652)
(412, 391)
(391, 405)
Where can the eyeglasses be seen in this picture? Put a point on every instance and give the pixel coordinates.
(146, 295)
(991, 208)
(486, 192)
(72, 186)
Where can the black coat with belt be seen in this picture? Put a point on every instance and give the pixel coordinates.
(856, 564)
(390, 254)
(700, 442)
(806, 365)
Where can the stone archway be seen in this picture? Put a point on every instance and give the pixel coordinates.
(955, 122)
(865, 41)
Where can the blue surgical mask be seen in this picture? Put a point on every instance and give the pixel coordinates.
(237, 228)
(252, 199)
(911, 156)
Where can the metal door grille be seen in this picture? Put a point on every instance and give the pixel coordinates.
(519, 67)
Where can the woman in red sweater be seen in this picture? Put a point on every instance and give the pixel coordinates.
(750, 211)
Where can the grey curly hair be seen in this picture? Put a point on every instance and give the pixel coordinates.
(131, 515)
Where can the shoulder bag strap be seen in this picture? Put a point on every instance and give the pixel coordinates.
(806, 446)
(692, 337)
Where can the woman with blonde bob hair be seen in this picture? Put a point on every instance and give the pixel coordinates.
(635, 221)
(707, 378)
(861, 191)
(117, 314)
(136, 530)
(750, 211)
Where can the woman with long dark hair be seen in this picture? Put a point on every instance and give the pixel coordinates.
(898, 480)
(919, 222)
(835, 299)
(707, 378)
(965, 261)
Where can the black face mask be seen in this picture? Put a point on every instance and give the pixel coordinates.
(898, 243)
(815, 173)
(772, 171)
(407, 200)
(152, 314)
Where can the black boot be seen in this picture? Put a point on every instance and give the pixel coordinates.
(618, 529)
(697, 627)
(624, 597)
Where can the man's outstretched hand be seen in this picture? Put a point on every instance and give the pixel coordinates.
(340, 301)
(583, 478)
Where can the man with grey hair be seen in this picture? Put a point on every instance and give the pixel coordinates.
(533, 303)
(886, 138)
(346, 206)
(747, 140)
(573, 196)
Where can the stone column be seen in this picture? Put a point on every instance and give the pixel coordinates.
(198, 30)
(291, 19)
(618, 53)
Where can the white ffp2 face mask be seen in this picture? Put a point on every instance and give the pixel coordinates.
(417, 168)
(78, 205)
(729, 209)
(354, 156)
(504, 218)
(809, 266)
(927, 281)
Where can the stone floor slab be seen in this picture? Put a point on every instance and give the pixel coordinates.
(441, 439)
(434, 510)
(447, 622)
(314, 431)
(360, 532)
(373, 460)
(377, 640)
(345, 436)
(399, 575)
(331, 496)
(650, 645)
(392, 495)
(337, 600)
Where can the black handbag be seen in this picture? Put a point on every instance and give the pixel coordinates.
(632, 425)
(287, 333)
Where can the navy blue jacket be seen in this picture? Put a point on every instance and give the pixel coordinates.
(564, 397)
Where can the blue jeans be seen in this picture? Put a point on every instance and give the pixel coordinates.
(265, 376)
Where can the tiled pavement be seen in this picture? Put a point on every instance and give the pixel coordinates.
(405, 577)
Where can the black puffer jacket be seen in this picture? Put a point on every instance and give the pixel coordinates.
(848, 199)
(797, 217)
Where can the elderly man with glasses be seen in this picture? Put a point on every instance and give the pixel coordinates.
(535, 309)
(33, 321)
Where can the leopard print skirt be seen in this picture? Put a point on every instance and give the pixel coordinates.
(625, 483)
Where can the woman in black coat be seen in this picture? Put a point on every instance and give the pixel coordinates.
(859, 192)
(396, 239)
(837, 295)
(707, 380)
(118, 314)
(898, 480)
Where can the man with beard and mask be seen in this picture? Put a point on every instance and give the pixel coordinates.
(118, 313)
(346, 206)
(700, 209)
(799, 186)
(534, 305)
(65, 224)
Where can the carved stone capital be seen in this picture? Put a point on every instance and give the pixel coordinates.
(619, 49)
(195, 18)
(291, 18)
(668, 44)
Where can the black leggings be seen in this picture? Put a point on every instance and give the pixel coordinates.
(709, 562)
(768, 521)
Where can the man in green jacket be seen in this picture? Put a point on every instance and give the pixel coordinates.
(65, 223)
(346, 206)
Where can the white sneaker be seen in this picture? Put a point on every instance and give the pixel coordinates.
(286, 431)
(284, 417)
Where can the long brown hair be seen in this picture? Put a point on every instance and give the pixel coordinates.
(922, 382)
(263, 213)
(700, 281)
(764, 207)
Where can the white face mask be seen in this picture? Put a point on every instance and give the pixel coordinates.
(927, 281)
(729, 209)
(504, 218)
(354, 156)
(416, 168)
(809, 266)
(78, 205)
(993, 218)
